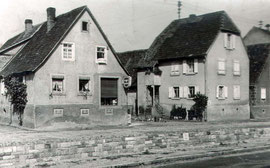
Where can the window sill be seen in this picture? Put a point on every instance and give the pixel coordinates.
(101, 61)
(236, 75)
(83, 94)
(220, 73)
(175, 98)
(190, 98)
(175, 74)
(191, 73)
(236, 98)
(221, 98)
(85, 31)
(58, 94)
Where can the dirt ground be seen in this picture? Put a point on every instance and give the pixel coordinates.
(67, 130)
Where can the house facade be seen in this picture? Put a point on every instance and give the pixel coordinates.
(71, 71)
(198, 54)
(257, 42)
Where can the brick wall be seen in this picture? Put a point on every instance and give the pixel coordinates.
(49, 152)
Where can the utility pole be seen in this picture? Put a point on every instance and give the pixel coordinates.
(179, 8)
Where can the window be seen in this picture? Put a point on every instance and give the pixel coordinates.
(190, 66)
(176, 92)
(84, 84)
(84, 112)
(58, 84)
(175, 69)
(58, 112)
(263, 93)
(221, 67)
(68, 51)
(191, 91)
(229, 41)
(101, 55)
(222, 92)
(109, 91)
(236, 92)
(236, 67)
(85, 26)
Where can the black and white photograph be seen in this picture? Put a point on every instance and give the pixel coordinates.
(135, 84)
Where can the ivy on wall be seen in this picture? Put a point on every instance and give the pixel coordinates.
(17, 95)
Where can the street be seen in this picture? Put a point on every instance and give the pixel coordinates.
(251, 160)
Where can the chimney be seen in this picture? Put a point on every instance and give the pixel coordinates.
(50, 18)
(28, 26)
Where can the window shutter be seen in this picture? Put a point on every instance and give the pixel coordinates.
(184, 66)
(226, 91)
(263, 93)
(225, 40)
(236, 92)
(170, 92)
(236, 67)
(221, 66)
(197, 89)
(181, 90)
(196, 65)
(217, 94)
(233, 41)
(186, 92)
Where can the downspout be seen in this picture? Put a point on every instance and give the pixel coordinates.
(205, 88)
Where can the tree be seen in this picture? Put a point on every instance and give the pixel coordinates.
(200, 104)
(16, 92)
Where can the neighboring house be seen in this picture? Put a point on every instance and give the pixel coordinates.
(71, 71)
(130, 61)
(257, 42)
(257, 36)
(197, 54)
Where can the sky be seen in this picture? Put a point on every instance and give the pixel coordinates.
(131, 24)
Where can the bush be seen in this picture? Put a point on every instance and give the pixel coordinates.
(199, 106)
(179, 112)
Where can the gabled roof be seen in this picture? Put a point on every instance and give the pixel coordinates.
(189, 37)
(18, 39)
(130, 60)
(258, 55)
(42, 44)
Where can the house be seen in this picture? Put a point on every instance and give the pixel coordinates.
(130, 60)
(257, 42)
(257, 36)
(71, 71)
(197, 54)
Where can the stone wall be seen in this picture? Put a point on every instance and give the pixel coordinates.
(49, 152)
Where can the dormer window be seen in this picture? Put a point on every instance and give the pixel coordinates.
(85, 26)
(68, 51)
(101, 55)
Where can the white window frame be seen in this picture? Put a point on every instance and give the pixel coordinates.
(85, 114)
(229, 41)
(82, 77)
(101, 60)
(72, 51)
(175, 68)
(263, 93)
(58, 112)
(58, 76)
(186, 67)
(236, 92)
(225, 94)
(221, 66)
(88, 26)
(236, 68)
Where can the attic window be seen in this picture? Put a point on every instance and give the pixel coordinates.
(229, 41)
(85, 26)
(68, 51)
(101, 55)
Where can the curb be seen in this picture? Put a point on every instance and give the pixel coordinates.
(190, 157)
